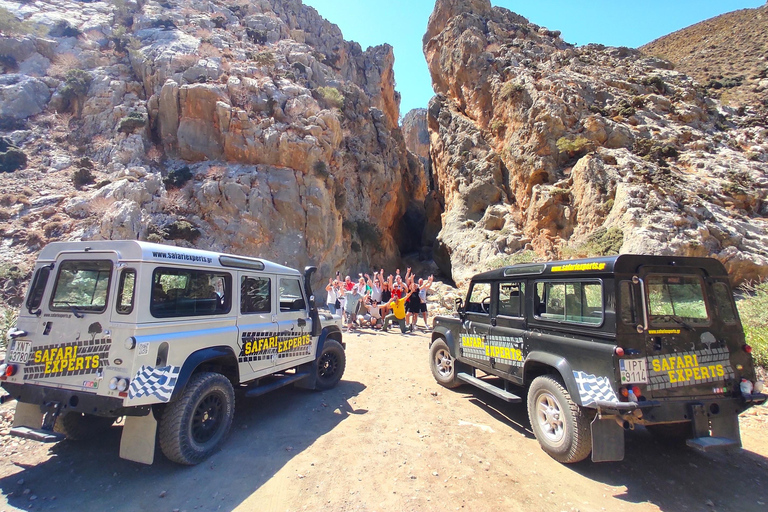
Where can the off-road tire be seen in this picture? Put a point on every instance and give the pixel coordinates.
(330, 365)
(671, 433)
(193, 427)
(443, 365)
(80, 427)
(575, 442)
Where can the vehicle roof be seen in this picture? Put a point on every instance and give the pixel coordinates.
(621, 264)
(135, 250)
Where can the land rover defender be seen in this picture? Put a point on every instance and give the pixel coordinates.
(161, 336)
(602, 345)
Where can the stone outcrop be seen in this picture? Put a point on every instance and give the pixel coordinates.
(286, 135)
(540, 149)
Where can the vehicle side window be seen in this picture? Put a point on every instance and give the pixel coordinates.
(574, 302)
(479, 298)
(255, 295)
(723, 298)
(35, 297)
(125, 292)
(189, 292)
(82, 285)
(291, 298)
(511, 299)
(627, 303)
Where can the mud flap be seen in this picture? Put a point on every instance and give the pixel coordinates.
(138, 440)
(28, 415)
(607, 440)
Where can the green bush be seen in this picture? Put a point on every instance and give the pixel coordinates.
(603, 242)
(573, 146)
(332, 96)
(82, 177)
(132, 122)
(755, 322)
(525, 256)
(8, 318)
(75, 86)
(264, 58)
(510, 89)
(11, 25)
(181, 230)
(177, 177)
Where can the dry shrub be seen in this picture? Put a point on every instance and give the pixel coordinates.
(182, 62)
(35, 238)
(64, 63)
(5, 214)
(99, 206)
(54, 228)
(155, 154)
(13, 199)
(207, 50)
(175, 201)
(216, 172)
(203, 33)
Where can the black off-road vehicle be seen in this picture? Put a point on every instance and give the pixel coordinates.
(602, 345)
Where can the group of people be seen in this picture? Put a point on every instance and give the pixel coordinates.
(379, 302)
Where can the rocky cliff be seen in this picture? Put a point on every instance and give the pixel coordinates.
(248, 127)
(541, 149)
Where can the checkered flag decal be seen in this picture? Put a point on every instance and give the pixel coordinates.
(592, 388)
(158, 382)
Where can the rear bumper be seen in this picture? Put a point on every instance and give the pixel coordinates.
(679, 410)
(73, 401)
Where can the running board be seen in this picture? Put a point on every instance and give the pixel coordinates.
(276, 384)
(490, 388)
(708, 444)
(37, 434)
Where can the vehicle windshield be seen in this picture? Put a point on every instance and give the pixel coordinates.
(676, 299)
(82, 285)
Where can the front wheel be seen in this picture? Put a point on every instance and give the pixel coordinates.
(443, 365)
(193, 426)
(560, 426)
(330, 365)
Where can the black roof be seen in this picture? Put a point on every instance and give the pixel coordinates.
(621, 264)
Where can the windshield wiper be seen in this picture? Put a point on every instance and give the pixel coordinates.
(72, 308)
(680, 321)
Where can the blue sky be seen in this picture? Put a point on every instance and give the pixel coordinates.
(402, 23)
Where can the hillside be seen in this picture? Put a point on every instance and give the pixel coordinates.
(728, 55)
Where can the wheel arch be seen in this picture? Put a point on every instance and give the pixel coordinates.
(220, 359)
(331, 332)
(447, 335)
(543, 363)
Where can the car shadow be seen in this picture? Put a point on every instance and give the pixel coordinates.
(267, 432)
(514, 415)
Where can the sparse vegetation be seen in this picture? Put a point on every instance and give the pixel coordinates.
(510, 89)
(331, 96)
(321, 169)
(755, 322)
(603, 242)
(181, 230)
(132, 122)
(11, 158)
(75, 86)
(8, 318)
(11, 25)
(82, 177)
(178, 177)
(525, 256)
(574, 146)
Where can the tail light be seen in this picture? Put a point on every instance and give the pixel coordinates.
(619, 351)
(10, 370)
(747, 349)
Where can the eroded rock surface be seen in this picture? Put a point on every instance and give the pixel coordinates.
(537, 145)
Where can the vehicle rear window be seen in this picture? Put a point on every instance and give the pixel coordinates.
(125, 292)
(189, 292)
(627, 303)
(573, 302)
(676, 298)
(82, 285)
(37, 289)
(724, 301)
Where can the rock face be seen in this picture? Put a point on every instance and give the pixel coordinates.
(542, 149)
(254, 124)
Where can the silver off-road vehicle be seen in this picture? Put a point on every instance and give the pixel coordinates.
(160, 336)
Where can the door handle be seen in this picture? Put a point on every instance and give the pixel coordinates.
(493, 322)
(301, 322)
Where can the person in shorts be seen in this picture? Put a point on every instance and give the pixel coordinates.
(398, 313)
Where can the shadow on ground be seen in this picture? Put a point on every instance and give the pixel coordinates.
(266, 433)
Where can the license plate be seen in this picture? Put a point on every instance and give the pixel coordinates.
(633, 371)
(19, 352)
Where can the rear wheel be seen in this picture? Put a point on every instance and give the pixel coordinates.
(330, 365)
(79, 427)
(192, 427)
(560, 426)
(443, 365)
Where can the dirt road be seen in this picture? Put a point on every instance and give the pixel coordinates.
(388, 438)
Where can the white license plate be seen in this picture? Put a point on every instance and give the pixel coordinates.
(633, 371)
(19, 352)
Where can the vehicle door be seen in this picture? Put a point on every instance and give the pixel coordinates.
(257, 323)
(686, 352)
(476, 326)
(73, 340)
(508, 328)
(295, 343)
